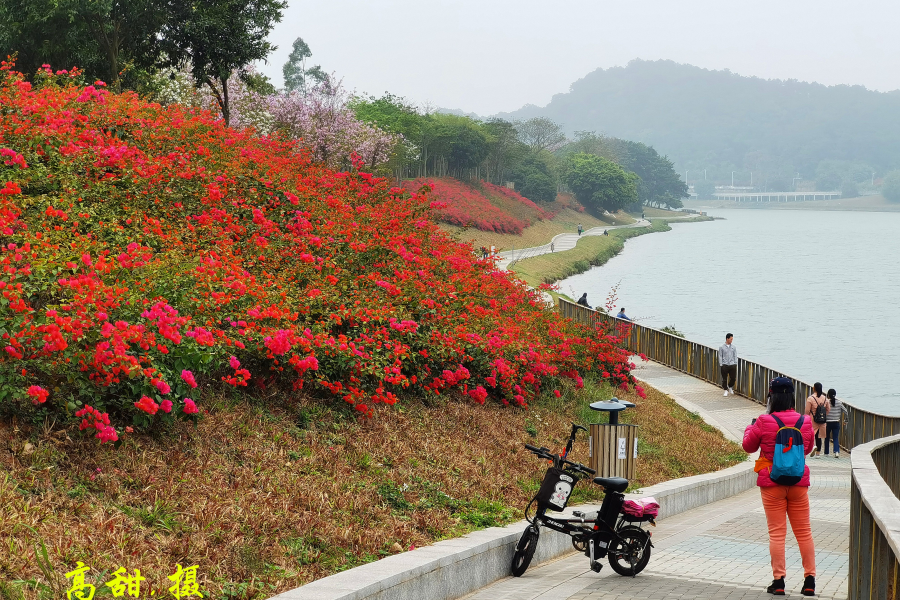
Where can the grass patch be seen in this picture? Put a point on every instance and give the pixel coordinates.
(589, 252)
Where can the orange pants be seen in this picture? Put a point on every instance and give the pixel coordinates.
(782, 502)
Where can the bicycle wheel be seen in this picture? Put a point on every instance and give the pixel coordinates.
(525, 550)
(631, 554)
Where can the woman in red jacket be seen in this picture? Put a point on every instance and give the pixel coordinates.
(781, 501)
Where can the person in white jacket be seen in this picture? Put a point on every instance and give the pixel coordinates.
(728, 364)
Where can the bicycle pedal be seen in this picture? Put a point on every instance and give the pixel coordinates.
(596, 566)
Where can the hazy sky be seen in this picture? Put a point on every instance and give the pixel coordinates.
(488, 56)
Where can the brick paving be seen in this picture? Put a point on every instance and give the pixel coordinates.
(719, 551)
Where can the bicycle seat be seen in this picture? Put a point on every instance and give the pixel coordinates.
(612, 484)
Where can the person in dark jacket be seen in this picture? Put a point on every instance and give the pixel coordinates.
(783, 501)
(583, 300)
(834, 417)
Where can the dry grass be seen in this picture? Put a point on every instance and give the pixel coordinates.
(566, 221)
(267, 496)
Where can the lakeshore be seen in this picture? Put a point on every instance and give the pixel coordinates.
(676, 280)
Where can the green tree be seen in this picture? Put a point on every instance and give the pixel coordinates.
(705, 189)
(600, 184)
(468, 146)
(504, 150)
(541, 133)
(102, 37)
(533, 178)
(294, 70)
(395, 115)
(538, 186)
(219, 37)
(849, 189)
(296, 76)
(890, 189)
(828, 181)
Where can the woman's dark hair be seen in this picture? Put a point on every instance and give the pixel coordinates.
(818, 387)
(832, 395)
(782, 401)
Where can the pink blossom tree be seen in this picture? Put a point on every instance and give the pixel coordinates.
(320, 119)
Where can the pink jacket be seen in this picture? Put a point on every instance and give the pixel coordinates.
(761, 436)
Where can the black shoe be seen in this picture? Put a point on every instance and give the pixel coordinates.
(777, 587)
(809, 586)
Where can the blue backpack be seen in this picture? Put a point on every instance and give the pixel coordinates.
(789, 460)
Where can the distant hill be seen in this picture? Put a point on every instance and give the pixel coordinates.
(721, 121)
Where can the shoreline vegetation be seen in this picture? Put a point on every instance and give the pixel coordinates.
(591, 251)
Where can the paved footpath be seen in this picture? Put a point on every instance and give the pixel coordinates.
(560, 242)
(719, 551)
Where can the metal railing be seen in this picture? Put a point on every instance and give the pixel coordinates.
(703, 362)
(875, 520)
(875, 489)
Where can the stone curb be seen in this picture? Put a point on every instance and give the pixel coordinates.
(453, 568)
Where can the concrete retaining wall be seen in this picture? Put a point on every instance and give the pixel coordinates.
(454, 568)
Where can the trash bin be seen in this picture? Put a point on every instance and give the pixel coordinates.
(612, 447)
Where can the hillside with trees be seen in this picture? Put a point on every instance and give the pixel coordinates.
(719, 121)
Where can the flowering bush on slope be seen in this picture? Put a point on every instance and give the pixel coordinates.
(482, 205)
(145, 251)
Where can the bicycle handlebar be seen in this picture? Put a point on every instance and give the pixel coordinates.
(545, 453)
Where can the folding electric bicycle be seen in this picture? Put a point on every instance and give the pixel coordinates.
(608, 532)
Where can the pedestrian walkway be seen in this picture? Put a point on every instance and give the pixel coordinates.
(719, 551)
(560, 243)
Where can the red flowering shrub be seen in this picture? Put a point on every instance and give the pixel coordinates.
(481, 205)
(144, 250)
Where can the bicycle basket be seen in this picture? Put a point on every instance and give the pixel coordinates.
(555, 489)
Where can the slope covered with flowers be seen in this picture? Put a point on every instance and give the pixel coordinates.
(481, 205)
(146, 252)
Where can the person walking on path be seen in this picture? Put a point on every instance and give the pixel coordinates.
(728, 364)
(580, 229)
(833, 422)
(782, 499)
(622, 314)
(817, 411)
(583, 300)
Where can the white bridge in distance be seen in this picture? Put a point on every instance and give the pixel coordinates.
(775, 196)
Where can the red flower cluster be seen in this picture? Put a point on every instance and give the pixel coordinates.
(38, 394)
(144, 249)
(482, 205)
(93, 418)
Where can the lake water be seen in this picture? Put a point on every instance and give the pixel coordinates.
(812, 294)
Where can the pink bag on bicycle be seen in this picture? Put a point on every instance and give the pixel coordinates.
(645, 507)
